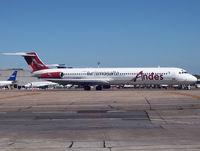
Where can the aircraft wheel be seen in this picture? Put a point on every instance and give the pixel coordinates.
(87, 88)
(99, 88)
(188, 87)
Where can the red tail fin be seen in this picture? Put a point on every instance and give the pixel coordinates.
(34, 61)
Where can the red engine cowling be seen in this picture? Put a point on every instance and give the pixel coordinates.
(55, 75)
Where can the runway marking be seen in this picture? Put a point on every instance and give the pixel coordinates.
(185, 94)
(94, 126)
(150, 107)
(15, 96)
(72, 143)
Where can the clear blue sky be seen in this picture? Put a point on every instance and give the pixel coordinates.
(118, 33)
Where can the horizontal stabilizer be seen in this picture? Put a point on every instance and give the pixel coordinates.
(19, 54)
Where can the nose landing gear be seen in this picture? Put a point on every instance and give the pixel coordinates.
(185, 87)
(188, 87)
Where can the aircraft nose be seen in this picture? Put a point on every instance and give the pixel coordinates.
(193, 79)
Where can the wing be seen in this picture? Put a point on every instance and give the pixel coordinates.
(80, 81)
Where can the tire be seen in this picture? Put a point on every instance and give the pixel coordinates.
(99, 88)
(87, 88)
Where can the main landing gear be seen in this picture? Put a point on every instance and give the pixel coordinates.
(88, 88)
(99, 88)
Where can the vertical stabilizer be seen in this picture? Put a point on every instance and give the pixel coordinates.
(13, 76)
(32, 59)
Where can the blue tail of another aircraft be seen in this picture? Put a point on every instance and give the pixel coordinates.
(13, 76)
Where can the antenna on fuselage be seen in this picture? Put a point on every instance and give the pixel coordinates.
(98, 64)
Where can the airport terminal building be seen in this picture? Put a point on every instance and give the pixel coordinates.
(23, 76)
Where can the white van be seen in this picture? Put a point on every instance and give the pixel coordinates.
(197, 85)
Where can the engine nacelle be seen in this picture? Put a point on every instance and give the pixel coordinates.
(55, 75)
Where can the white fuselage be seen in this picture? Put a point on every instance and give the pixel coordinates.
(5, 83)
(119, 76)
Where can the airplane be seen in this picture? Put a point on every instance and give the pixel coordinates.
(10, 80)
(104, 77)
(40, 84)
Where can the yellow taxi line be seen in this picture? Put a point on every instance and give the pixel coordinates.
(185, 94)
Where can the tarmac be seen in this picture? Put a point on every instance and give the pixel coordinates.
(111, 120)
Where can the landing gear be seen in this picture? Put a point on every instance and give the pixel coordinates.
(87, 88)
(106, 86)
(188, 87)
(184, 87)
(99, 88)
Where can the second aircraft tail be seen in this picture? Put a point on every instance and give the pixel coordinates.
(13, 76)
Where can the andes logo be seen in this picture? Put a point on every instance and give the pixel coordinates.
(151, 76)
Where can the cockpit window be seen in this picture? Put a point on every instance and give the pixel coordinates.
(183, 72)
